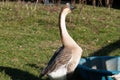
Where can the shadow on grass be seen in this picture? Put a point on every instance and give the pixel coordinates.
(106, 50)
(37, 66)
(17, 74)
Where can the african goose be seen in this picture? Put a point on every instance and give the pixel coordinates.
(65, 60)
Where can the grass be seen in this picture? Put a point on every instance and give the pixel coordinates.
(29, 35)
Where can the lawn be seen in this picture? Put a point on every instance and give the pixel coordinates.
(29, 35)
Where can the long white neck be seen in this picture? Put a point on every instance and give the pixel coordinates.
(65, 37)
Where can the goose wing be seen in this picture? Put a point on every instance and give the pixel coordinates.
(61, 57)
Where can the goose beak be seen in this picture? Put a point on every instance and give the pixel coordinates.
(70, 6)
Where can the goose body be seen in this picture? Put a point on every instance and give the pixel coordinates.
(66, 58)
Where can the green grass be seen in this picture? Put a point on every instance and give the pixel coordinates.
(29, 36)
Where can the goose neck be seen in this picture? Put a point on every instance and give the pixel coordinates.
(65, 37)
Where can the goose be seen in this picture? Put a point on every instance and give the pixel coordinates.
(64, 61)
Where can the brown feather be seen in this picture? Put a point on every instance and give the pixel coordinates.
(60, 59)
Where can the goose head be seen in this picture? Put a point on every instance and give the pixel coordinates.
(67, 9)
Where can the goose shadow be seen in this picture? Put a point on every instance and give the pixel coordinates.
(17, 74)
(106, 50)
(38, 67)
